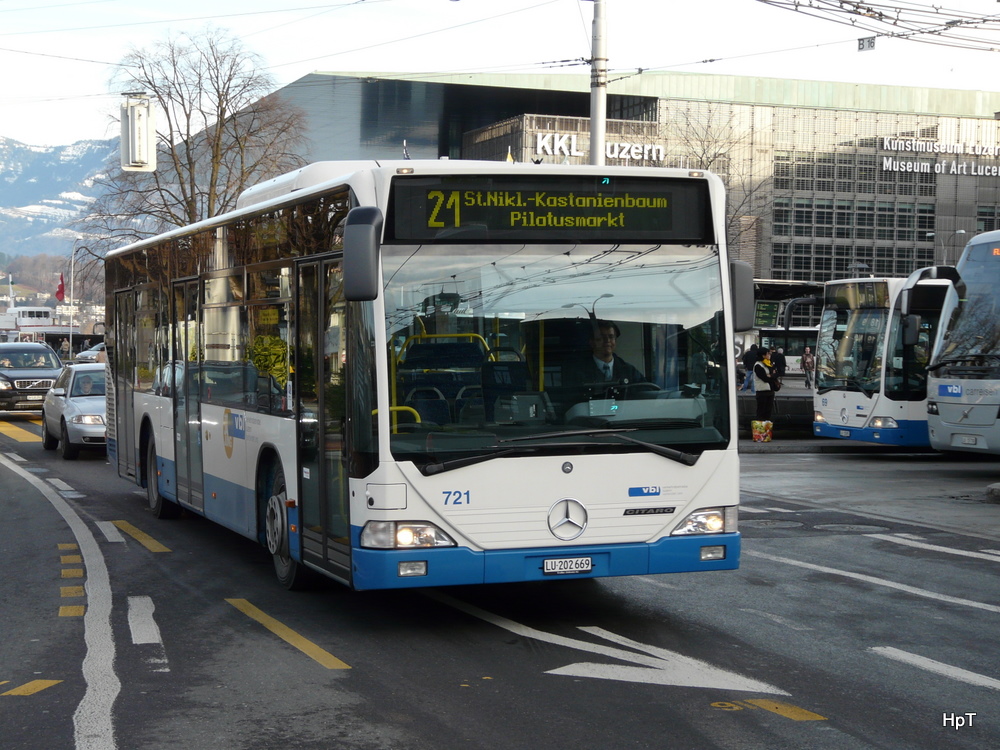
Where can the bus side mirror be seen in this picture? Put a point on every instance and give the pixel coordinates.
(362, 231)
(741, 283)
(911, 330)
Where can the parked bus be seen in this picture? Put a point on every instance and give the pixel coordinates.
(875, 339)
(386, 372)
(964, 375)
(793, 342)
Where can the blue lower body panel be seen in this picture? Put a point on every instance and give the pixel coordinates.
(453, 566)
(912, 434)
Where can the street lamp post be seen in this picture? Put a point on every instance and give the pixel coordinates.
(939, 239)
(957, 232)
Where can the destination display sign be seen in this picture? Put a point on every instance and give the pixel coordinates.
(549, 208)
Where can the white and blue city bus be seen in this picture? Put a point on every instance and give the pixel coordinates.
(964, 374)
(382, 371)
(875, 339)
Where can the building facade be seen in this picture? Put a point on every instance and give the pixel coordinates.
(825, 180)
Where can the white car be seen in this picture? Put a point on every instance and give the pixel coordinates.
(74, 410)
(91, 354)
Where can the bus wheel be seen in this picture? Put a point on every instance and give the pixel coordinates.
(291, 574)
(158, 504)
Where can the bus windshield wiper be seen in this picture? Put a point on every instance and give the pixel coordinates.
(960, 360)
(855, 383)
(688, 459)
(458, 463)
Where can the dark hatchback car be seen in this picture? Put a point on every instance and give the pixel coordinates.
(27, 371)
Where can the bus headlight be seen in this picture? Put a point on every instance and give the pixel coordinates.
(884, 423)
(403, 535)
(932, 407)
(818, 416)
(709, 521)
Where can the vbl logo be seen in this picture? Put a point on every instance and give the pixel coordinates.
(949, 390)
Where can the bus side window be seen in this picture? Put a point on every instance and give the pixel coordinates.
(267, 355)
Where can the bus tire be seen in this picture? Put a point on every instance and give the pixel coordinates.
(291, 574)
(158, 505)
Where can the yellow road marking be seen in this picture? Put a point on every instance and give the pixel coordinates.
(141, 536)
(785, 709)
(75, 610)
(67, 547)
(70, 559)
(30, 688)
(68, 592)
(72, 573)
(20, 434)
(288, 635)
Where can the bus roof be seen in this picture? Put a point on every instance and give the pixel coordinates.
(319, 177)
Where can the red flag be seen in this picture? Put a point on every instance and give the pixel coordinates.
(61, 290)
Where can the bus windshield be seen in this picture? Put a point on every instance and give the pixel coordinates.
(505, 346)
(852, 333)
(972, 331)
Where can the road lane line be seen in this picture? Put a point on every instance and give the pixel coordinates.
(784, 709)
(110, 531)
(20, 434)
(30, 688)
(876, 581)
(140, 620)
(93, 719)
(288, 635)
(955, 673)
(931, 547)
(141, 536)
(59, 484)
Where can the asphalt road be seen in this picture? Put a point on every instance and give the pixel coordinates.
(851, 623)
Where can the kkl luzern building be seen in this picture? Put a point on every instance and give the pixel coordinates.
(825, 180)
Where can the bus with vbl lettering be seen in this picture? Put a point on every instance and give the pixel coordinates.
(406, 373)
(963, 407)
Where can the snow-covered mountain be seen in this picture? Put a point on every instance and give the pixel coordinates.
(43, 189)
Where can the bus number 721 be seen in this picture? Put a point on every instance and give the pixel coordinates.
(456, 497)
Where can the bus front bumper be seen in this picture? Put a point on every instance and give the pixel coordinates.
(454, 566)
(911, 434)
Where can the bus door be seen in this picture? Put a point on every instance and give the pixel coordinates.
(186, 390)
(124, 386)
(320, 385)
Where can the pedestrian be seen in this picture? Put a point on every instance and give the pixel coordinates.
(64, 348)
(780, 364)
(749, 358)
(808, 366)
(766, 384)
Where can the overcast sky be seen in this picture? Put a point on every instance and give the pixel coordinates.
(56, 56)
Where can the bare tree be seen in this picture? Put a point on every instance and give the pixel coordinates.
(218, 132)
(715, 137)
